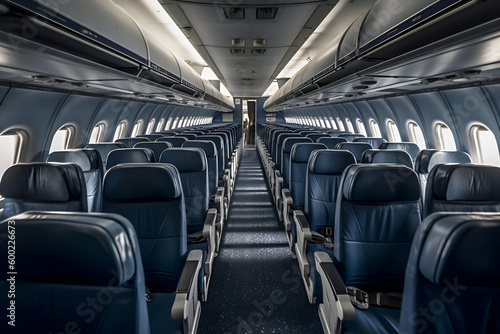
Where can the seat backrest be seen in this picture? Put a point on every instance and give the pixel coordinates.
(189, 136)
(376, 218)
(324, 172)
(351, 136)
(212, 162)
(227, 145)
(279, 147)
(316, 136)
(43, 186)
(129, 155)
(89, 161)
(152, 137)
(387, 157)
(130, 141)
(355, 148)
(373, 141)
(157, 147)
(104, 149)
(462, 188)
(331, 142)
(336, 133)
(427, 159)
(299, 157)
(409, 147)
(285, 156)
(219, 145)
(176, 141)
(150, 197)
(453, 274)
(69, 259)
(191, 162)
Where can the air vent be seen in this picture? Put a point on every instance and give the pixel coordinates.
(254, 70)
(368, 82)
(360, 87)
(237, 51)
(258, 51)
(266, 13)
(234, 13)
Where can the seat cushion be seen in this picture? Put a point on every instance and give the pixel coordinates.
(160, 319)
(375, 320)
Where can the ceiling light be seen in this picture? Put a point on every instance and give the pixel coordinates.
(266, 13)
(259, 42)
(239, 42)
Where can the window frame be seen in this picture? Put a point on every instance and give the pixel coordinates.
(119, 130)
(70, 129)
(361, 127)
(476, 142)
(394, 136)
(414, 136)
(438, 133)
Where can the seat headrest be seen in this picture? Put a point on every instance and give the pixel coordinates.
(130, 142)
(217, 140)
(105, 148)
(462, 248)
(175, 141)
(351, 136)
(331, 142)
(466, 182)
(207, 146)
(355, 148)
(41, 181)
(409, 147)
(373, 141)
(289, 142)
(380, 183)
(129, 155)
(387, 156)
(188, 159)
(189, 136)
(87, 159)
(302, 151)
(156, 146)
(87, 249)
(330, 161)
(427, 159)
(128, 182)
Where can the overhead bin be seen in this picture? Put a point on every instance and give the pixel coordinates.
(382, 36)
(103, 33)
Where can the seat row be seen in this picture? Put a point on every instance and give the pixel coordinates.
(175, 232)
(356, 226)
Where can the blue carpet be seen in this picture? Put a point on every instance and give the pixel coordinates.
(256, 286)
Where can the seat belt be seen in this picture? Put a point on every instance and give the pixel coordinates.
(363, 300)
(148, 294)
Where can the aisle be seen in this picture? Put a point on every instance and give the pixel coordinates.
(256, 287)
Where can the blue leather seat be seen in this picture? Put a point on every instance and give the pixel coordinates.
(316, 136)
(427, 159)
(152, 137)
(462, 188)
(351, 136)
(189, 136)
(219, 145)
(285, 156)
(89, 161)
(332, 141)
(324, 172)
(376, 219)
(191, 164)
(156, 147)
(375, 142)
(129, 155)
(227, 146)
(409, 147)
(355, 148)
(387, 157)
(299, 157)
(176, 141)
(452, 282)
(43, 186)
(131, 141)
(336, 133)
(104, 149)
(212, 162)
(78, 272)
(279, 147)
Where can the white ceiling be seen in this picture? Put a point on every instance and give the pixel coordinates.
(298, 32)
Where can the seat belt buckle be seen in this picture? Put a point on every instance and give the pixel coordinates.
(328, 243)
(358, 297)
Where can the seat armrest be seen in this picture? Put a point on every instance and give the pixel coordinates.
(303, 236)
(186, 304)
(336, 305)
(286, 197)
(278, 183)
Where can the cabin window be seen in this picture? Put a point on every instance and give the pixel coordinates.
(444, 136)
(137, 129)
(62, 138)
(159, 127)
(334, 125)
(321, 121)
(11, 143)
(174, 123)
(348, 123)
(392, 130)
(361, 127)
(120, 131)
(97, 133)
(340, 124)
(169, 124)
(485, 144)
(416, 135)
(151, 126)
(375, 129)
